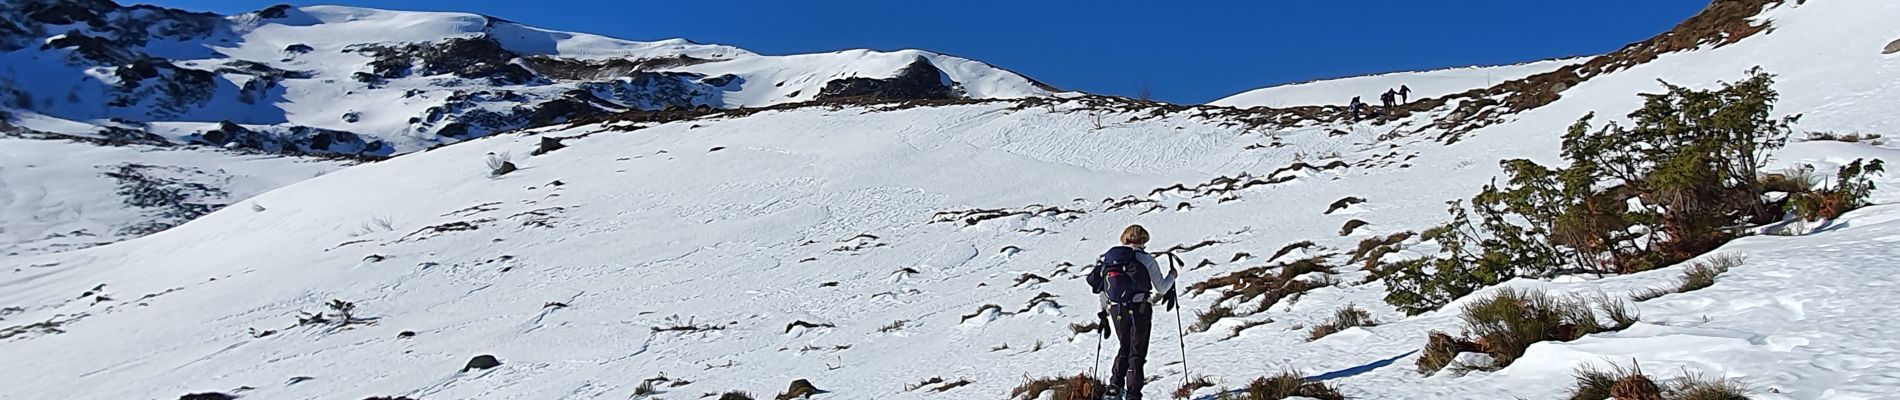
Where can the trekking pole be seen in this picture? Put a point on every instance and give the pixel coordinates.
(1095, 371)
(1180, 334)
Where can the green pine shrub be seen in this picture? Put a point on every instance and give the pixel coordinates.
(1851, 187)
(1686, 171)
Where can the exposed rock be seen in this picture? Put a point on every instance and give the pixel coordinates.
(571, 105)
(472, 58)
(503, 169)
(455, 130)
(548, 144)
(660, 90)
(918, 80)
(207, 396)
(253, 68)
(571, 69)
(373, 79)
(166, 89)
(276, 11)
(120, 136)
(97, 50)
(482, 362)
(122, 28)
(168, 195)
(1892, 47)
(66, 12)
(290, 140)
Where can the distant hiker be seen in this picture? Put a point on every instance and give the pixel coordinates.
(1354, 108)
(1390, 98)
(1405, 94)
(1127, 277)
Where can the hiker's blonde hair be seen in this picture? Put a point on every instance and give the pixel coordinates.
(1135, 234)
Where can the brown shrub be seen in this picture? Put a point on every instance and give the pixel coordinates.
(1635, 387)
(1284, 385)
(1695, 277)
(799, 389)
(1350, 226)
(1794, 182)
(1374, 248)
(1348, 317)
(1289, 249)
(1695, 386)
(1078, 387)
(1630, 383)
(1204, 320)
(1262, 283)
(1343, 203)
(1187, 389)
(1441, 349)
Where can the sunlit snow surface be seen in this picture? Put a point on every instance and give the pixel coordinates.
(653, 228)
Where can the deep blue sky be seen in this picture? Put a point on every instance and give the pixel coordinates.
(1187, 51)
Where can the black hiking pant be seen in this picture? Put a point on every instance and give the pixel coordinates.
(1132, 323)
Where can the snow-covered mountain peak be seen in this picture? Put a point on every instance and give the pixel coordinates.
(342, 26)
(349, 80)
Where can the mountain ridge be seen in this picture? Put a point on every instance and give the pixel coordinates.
(359, 81)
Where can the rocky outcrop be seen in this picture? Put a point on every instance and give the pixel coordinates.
(918, 80)
(169, 195)
(471, 58)
(1892, 47)
(465, 116)
(275, 11)
(298, 140)
(661, 90)
(165, 88)
(566, 69)
(572, 105)
(122, 136)
(118, 26)
(481, 362)
(90, 49)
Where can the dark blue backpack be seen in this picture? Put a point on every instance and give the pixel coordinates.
(1121, 275)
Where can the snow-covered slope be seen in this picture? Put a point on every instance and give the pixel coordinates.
(1424, 84)
(60, 195)
(936, 241)
(330, 79)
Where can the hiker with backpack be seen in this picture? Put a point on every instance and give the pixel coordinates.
(1354, 107)
(1127, 277)
(1390, 98)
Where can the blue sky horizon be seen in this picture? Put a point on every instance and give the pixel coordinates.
(1186, 52)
